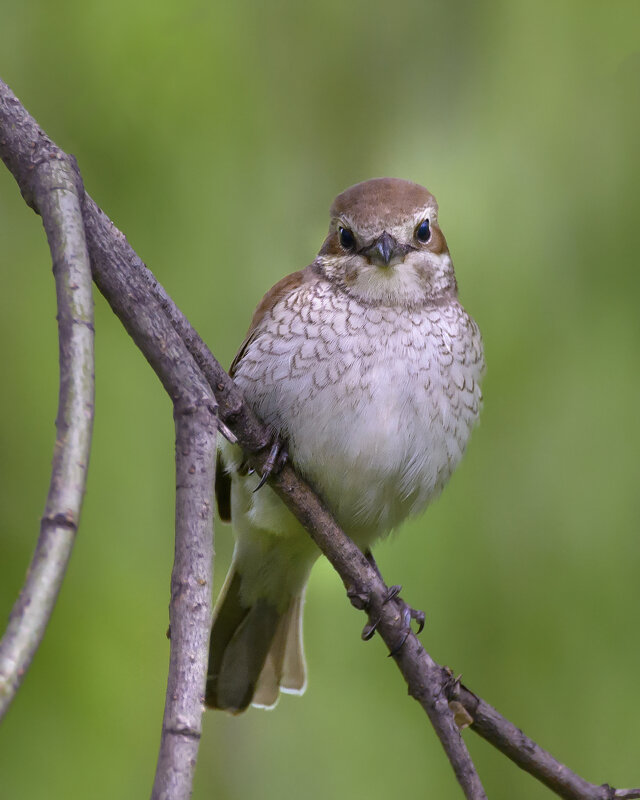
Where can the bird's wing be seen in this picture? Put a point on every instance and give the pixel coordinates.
(273, 296)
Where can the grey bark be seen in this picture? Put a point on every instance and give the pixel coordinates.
(54, 190)
(190, 610)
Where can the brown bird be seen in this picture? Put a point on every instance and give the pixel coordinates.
(366, 364)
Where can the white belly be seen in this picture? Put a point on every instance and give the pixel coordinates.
(376, 404)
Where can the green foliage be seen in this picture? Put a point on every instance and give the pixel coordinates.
(216, 135)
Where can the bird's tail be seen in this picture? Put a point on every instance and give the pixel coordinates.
(255, 649)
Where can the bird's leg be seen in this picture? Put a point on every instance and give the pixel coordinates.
(277, 458)
(408, 613)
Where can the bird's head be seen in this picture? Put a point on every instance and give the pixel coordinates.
(385, 246)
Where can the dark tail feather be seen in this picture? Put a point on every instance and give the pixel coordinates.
(241, 638)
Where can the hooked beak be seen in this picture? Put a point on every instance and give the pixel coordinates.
(384, 251)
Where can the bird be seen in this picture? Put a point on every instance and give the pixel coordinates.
(368, 367)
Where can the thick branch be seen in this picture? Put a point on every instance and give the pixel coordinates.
(53, 187)
(190, 609)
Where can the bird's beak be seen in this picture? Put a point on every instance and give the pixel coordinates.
(385, 251)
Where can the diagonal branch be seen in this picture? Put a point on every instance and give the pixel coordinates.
(53, 188)
(528, 755)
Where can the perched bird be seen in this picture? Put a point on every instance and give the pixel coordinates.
(368, 367)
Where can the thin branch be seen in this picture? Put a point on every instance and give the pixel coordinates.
(129, 287)
(510, 740)
(54, 190)
(190, 609)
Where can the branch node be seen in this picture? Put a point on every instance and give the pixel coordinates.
(182, 730)
(188, 406)
(66, 519)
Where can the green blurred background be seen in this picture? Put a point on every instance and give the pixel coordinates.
(216, 135)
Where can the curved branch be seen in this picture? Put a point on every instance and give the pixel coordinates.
(54, 190)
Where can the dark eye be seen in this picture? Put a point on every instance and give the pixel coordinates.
(423, 232)
(347, 239)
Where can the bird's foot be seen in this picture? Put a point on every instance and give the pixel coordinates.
(408, 613)
(277, 458)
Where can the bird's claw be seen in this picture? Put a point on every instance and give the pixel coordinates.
(419, 616)
(276, 459)
(408, 614)
(369, 629)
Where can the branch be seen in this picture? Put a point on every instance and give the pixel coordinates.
(117, 272)
(174, 349)
(524, 752)
(190, 610)
(53, 188)
(124, 280)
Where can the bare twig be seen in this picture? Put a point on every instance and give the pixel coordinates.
(176, 352)
(522, 750)
(190, 610)
(53, 188)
